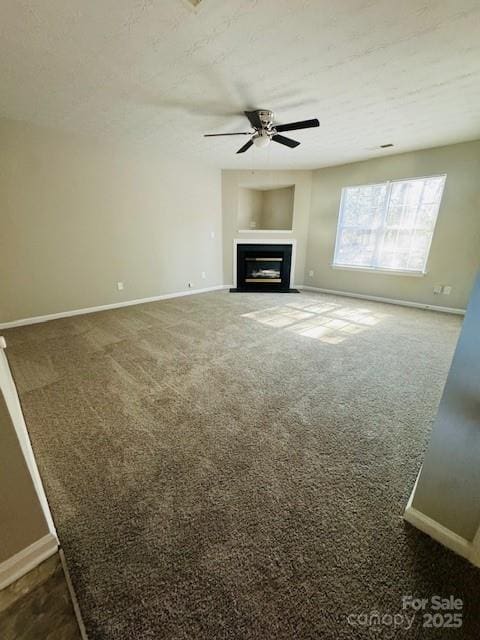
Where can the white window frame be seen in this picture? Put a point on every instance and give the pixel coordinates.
(373, 269)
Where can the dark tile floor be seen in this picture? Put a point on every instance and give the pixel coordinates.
(38, 606)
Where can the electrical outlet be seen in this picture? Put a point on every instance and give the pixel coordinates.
(447, 290)
(190, 285)
(204, 275)
(120, 286)
(310, 273)
(212, 234)
(437, 289)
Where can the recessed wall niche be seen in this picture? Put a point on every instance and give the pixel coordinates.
(265, 209)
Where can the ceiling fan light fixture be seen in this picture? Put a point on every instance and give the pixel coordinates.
(262, 140)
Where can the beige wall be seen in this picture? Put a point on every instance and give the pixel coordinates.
(455, 252)
(278, 208)
(233, 181)
(448, 487)
(77, 216)
(21, 516)
(250, 205)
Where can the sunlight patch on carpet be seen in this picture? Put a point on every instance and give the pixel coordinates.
(327, 322)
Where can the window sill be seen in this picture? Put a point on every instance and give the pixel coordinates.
(389, 272)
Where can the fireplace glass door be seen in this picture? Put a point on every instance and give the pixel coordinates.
(263, 269)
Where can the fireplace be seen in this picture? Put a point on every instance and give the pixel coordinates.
(263, 267)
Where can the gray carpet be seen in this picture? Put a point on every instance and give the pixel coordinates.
(228, 466)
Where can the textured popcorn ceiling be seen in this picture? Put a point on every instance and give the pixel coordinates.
(163, 72)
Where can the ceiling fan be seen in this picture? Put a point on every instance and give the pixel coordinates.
(265, 130)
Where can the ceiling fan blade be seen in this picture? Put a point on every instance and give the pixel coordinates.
(245, 147)
(303, 124)
(213, 135)
(288, 142)
(254, 119)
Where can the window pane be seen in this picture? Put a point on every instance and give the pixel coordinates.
(395, 249)
(394, 215)
(433, 189)
(356, 247)
(404, 239)
(420, 241)
(388, 225)
(406, 195)
(395, 260)
(363, 206)
(427, 215)
(389, 241)
(418, 253)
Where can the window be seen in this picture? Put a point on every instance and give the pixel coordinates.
(388, 226)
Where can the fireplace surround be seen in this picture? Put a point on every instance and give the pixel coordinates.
(263, 266)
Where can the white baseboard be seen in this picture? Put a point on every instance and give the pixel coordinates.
(104, 307)
(447, 537)
(117, 305)
(441, 534)
(403, 303)
(475, 550)
(27, 559)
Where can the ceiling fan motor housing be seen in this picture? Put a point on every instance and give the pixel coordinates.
(266, 118)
